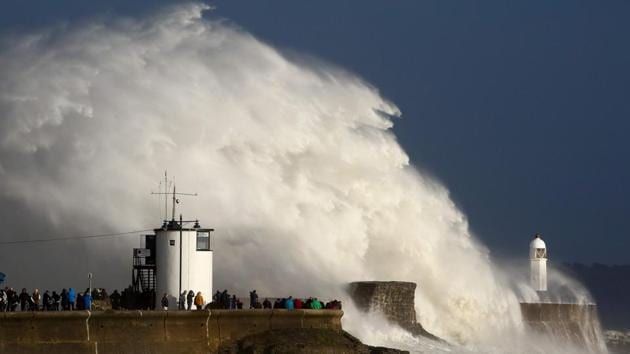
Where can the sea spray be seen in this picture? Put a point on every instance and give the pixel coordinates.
(295, 165)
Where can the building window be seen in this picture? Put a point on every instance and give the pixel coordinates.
(171, 242)
(203, 241)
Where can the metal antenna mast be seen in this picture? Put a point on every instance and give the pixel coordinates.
(164, 193)
(174, 195)
(176, 201)
(165, 197)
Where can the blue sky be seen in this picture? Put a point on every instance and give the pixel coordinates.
(521, 108)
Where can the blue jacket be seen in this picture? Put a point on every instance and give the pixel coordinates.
(72, 295)
(87, 301)
(289, 304)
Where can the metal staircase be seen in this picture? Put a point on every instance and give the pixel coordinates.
(143, 274)
(147, 278)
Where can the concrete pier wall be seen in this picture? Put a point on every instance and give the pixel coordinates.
(81, 332)
(565, 324)
(574, 324)
(394, 299)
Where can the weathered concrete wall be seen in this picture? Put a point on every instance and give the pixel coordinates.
(21, 332)
(147, 331)
(572, 324)
(237, 324)
(568, 324)
(395, 299)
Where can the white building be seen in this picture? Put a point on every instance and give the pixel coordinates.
(183, 262)
(538, 263)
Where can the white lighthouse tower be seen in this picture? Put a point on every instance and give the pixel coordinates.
(538, 263)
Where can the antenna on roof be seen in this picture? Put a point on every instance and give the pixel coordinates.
(176, 201)
(166, 193)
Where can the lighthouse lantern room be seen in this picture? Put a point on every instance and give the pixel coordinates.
(538, 263)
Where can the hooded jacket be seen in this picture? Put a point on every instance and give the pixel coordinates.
(199, 300)
(87, 301)
(72, 295)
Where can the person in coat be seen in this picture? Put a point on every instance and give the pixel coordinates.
(189, 299)
(13, 299)
(72, 298)
(37, 299)
(3, 300)
(316, 305)
(46, 301)
(233, 302)
(199, 301)
(253, 299)
(64, 300)
(288, 303)
(115, 299)
(24, 300)
(182, 300)
(266, 304)
(87, 301)
(297, 304)
(56, 301)
(80, 301)
(165, 302)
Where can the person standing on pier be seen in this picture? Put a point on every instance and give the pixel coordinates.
(87, 300)
(189, 299)
(253, 299)
(37, 298)
(64, 300)
(165, 302)
(72, 298)
(199, 301)
(24, 299)
(182, 300)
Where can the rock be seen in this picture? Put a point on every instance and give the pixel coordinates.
(303, 341)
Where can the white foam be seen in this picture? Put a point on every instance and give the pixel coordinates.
(295, 165)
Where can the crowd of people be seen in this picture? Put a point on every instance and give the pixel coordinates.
(66, 300)
(128, 299)
(185, 301)
(289, 303)
(69, 299)
(223, 300)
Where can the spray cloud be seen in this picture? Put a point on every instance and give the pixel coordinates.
(295, 164)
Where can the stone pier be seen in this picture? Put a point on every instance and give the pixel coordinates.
(80, 332)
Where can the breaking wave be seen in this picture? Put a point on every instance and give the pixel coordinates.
(295, 164)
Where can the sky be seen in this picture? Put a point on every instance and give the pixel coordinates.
(520, 108)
